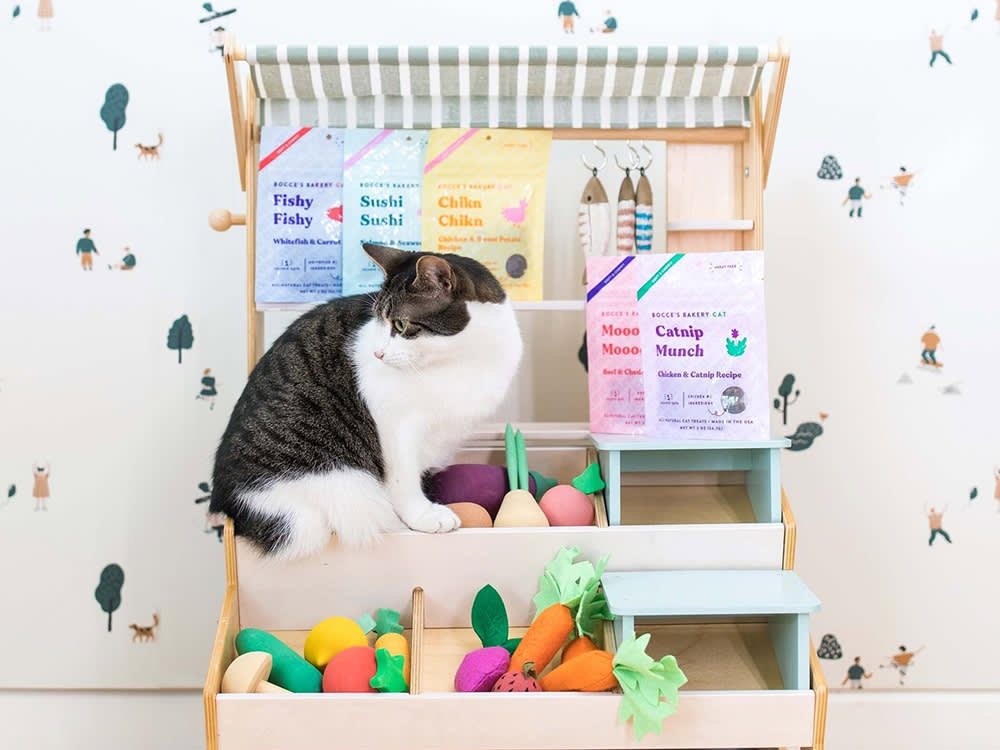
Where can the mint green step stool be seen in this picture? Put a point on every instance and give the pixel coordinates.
(778, 595)
(760, 459)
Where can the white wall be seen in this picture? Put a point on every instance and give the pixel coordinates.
(87, 383)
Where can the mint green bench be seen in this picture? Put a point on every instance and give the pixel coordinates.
(760, 459)
(778, 595)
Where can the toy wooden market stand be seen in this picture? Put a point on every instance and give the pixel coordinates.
(700, 536)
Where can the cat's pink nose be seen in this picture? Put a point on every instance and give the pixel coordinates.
(379, 354)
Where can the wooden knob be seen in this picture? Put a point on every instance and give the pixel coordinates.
(220, 219)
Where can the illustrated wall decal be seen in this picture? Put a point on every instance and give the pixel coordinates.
(150, 152)
(805, 434)
(855, 674)
(145, 633)
(9, 495)
(935, 519)
(180, 336)
(40, 490)
(127, 263)
(581, 353)
(937, 47)
(855, 195)
(113, 110)
(973, 494)
(829, 168)
(899, 183)
(109, 590)
(213, 13)
(208, 391)
(214, 522)
(784, 391)
(45, 15)
(17, 11)
(901, 662)
(567, 12)
(931, 341)
(952, 389)
(829, 648)
(608, 26)
(86, 249)
(996, 486)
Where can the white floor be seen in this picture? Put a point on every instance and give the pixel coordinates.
(865, 720)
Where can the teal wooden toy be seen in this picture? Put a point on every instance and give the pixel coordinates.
(288, 669)
(778, 595)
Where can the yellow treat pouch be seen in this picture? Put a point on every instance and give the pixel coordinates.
(484, 197)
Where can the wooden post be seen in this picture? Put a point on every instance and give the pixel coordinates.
(774, 94)
(235, 107)
(752, 179)
(791, 532)
(255, 320)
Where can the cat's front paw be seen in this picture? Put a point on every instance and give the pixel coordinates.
(433, 518)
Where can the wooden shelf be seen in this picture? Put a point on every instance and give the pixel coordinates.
(717, 225)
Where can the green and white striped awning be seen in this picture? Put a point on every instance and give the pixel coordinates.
(506, 86)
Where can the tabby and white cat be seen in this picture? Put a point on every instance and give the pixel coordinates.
(351, 408)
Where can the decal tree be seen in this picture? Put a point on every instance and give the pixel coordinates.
(113, 111)
(784, 391)
(180, 336)
(109, 591)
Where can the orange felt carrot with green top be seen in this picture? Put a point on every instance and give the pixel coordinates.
(561, 589)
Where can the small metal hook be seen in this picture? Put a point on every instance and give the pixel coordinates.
(592, 169)
(644, 167)
(633, 158)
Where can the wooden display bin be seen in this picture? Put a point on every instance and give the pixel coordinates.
(732, 699)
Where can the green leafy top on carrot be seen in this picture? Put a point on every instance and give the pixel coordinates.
(575, 585)
(649, 686)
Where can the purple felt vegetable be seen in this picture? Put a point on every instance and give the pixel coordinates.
(480, 669)
(483, 484)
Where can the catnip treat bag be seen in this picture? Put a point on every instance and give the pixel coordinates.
(383, 171)
(299, 215)
(704, 345)
(614, 355)
(484, 197)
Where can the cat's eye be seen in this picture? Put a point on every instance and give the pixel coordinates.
(399, 325)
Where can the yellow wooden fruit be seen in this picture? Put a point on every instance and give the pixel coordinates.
(519, 508)
(331, 637)
(395, 644)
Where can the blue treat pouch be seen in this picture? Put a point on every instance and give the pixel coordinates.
(383, 177)
(300, 215)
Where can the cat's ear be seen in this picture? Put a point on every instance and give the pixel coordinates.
(389, 259)
(434, 274)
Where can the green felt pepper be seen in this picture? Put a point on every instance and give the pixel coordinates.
(288, 669)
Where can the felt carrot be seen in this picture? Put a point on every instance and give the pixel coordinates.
(577, 647)
(591, 672)
(544, 638)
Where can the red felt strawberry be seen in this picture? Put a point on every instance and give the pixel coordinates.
(521, 681)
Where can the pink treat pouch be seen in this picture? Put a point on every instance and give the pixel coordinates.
(614, 358)
(704, 345)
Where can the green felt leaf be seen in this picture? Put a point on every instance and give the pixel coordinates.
(511, 645)
(367, 623)
(388, 672)
(387, 621)
(593, 607)
(590, 480)
(489, 617)
(542, 484)
(649, 687)
(564, 581)
(510, 449)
